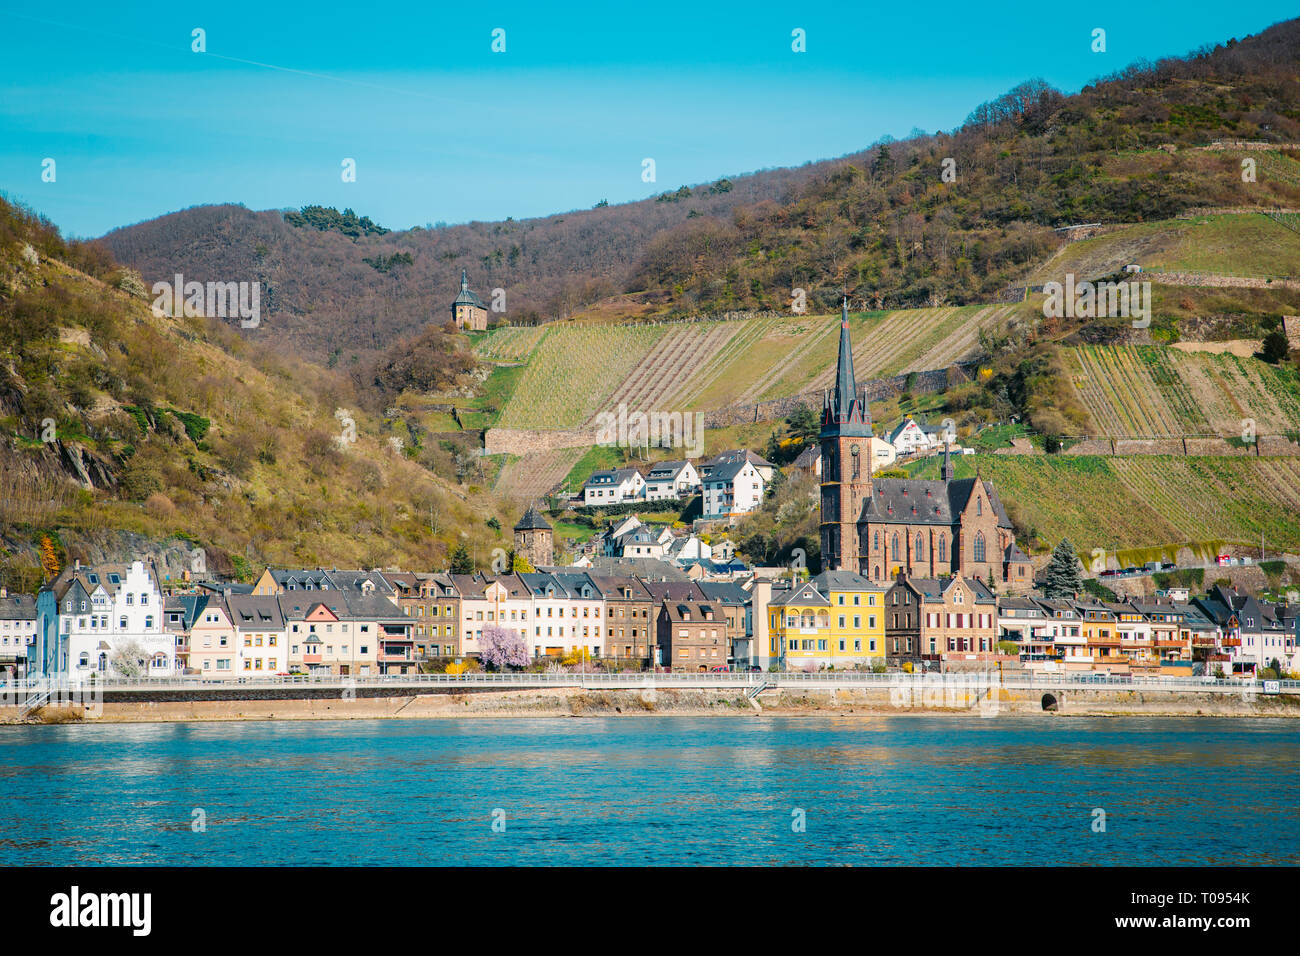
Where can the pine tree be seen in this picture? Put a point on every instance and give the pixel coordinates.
(461, 561)
(1063, 576)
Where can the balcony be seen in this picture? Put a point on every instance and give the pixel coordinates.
(311, 658)
(1230, 641)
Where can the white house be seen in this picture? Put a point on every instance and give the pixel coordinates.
(613, 487)
(735, 456)
(689, 548)
(909, 438)
(671, 479)
(643, 542)
(105, 610)
(732, 488)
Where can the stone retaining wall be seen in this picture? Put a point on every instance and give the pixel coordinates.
(1210, 280)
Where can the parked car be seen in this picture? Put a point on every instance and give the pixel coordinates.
(1168, 566)
(1109, 573)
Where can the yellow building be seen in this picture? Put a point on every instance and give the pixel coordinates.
(836, 619)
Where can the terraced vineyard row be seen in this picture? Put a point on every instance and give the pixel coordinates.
(1117, 388)
(1233, 499)
(1134, 391)
(702, 391)
(534, 476)
(1143, 501)
(509, 344)
(574, 370)
(665, 369)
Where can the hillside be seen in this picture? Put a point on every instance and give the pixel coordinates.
(1117, 503)
(1150, 391)
(1123, 150)
(177, 428)
(574, 370)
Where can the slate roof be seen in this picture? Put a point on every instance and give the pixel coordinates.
(251, 612)
(18, 607)
(532, 521)
(808, 457)
(666, 470)
(934, 589)
(724, 592)
(465, 296)
(829, 581)
(804, 595)
(937, 502)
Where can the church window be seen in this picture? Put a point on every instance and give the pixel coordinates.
(979, 506)
(920, 549)
(893, 548)
(979, 546)
(943, 548)
(877, 544)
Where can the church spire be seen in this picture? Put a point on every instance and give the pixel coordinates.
(844, 411)
(464, 281)
(946, 472)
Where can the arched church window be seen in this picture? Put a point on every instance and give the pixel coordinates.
(979, 546)
(920, 549)
(893, 547)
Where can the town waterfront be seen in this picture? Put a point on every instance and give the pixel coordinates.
(657, 790)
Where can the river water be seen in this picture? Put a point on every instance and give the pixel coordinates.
(655, 790)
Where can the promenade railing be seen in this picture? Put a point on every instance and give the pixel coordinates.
(632, 679)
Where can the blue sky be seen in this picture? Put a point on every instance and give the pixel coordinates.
(443, 129)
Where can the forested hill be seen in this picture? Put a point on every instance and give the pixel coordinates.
(886, 221)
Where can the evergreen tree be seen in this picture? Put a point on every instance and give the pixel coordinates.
(1063, 576)
(461, 561)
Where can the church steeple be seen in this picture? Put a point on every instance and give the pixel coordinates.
(464, 281)
(946, 472)
(844, 410)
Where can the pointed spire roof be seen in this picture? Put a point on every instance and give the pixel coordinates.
(844, 411)
(465, 296)
(532, 521)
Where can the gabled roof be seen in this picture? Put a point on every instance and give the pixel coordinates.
(804, 595)
(925, 501)
(18, 607)
(666, 470)
(727, 470)
(936, 589)
(829, 581)
(809, 456)
(254, 612)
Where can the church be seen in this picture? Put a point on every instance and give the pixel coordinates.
(881, 527)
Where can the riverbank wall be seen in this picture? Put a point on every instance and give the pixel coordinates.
(573, 702)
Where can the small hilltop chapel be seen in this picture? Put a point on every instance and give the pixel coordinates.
(881, 527)
(467, 309)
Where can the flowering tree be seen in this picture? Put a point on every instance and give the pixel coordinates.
(500, 648)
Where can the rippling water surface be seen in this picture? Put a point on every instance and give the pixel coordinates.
(654, 790)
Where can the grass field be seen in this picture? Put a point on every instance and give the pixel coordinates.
(1143, 501)
(1139, 390)
(1250, 244)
